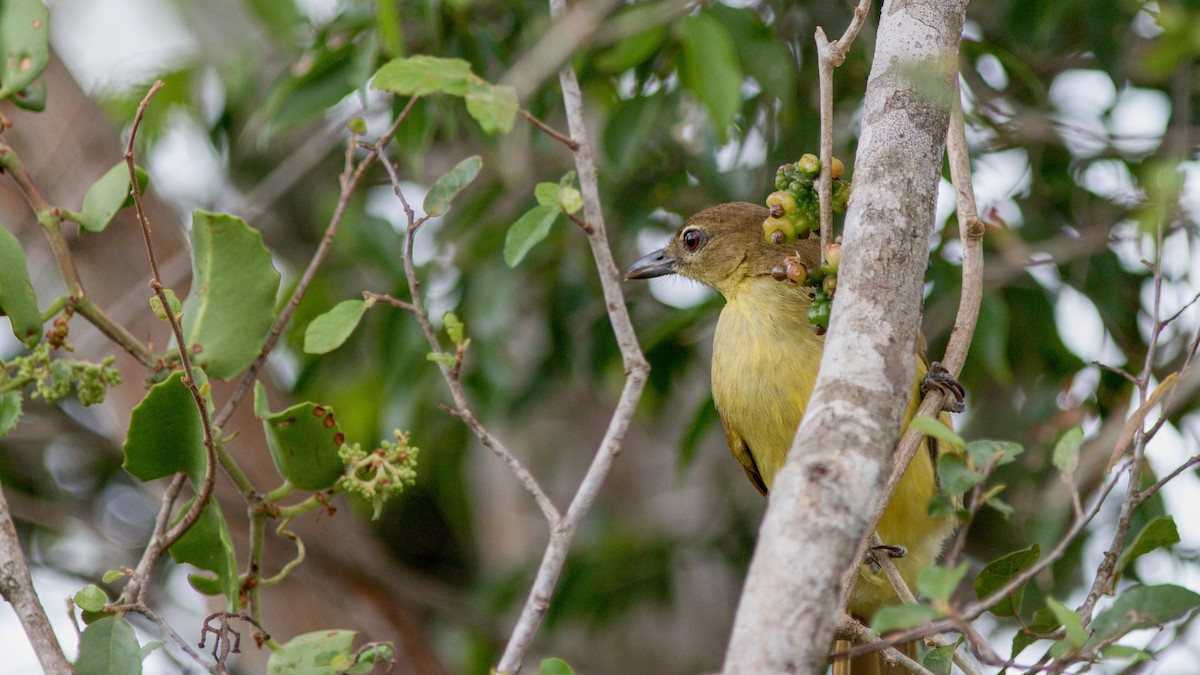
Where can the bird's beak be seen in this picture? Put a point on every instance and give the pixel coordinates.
(655, 264)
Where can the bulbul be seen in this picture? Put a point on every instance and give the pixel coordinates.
(764, 364)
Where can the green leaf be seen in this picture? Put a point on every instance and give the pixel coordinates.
(109, 646)
(422, 75)
(442, 358)
(902, 617)
(17, 298)
(91, 598)
(530, 228)
(304, 441)
(1070, 620)
(954, 474)
(570, 199)
(710, 68)
(1158, 533)
(1142, 607)
(939, 659)
(328, 331)
(10, 411)
(209, 546)
(437, 200)
(546, 194)
(165, 434)
(454, 327)
(494, 106)
(984, 453)
(937, 429)
(313, 653)
(387, 25)
(555, 666)
(999, 572)
(112, 575)
(938, 583)
(24, 44)
(1134, 654)
(108, 195)
(633, 50)
(231, 305)
(1066, 451)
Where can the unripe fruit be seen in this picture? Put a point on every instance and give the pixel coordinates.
(809, 165)
(779, 230)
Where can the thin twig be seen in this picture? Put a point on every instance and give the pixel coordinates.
(850, 630)
(162, 540)
(548, 130)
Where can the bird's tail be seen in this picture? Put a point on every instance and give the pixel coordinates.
(872, 664)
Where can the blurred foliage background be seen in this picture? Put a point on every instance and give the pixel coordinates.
(1082, 123)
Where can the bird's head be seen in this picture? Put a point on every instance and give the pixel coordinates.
(722, 247)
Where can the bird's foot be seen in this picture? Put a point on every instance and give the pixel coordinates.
(939, 378)
(892, 551)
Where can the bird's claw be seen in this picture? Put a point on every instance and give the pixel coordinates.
(939, 378)
(892, 551)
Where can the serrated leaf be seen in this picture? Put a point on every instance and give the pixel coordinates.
(555, 666)
(328, 331)
(165, 434)
(938, 583)
(231, 305)
(24, 44)
(1158, 533)
(1070, 620)
(304, 441)
(494, 106)
(17, 298)
(109, 646)
(1001, 571)
(939, 659)
(1066, 451)
(710, 68)
(937, 429)
(91, 598)
(902, 617)
(107, 196)
(1142, 607)
(422, 75)
(532, 227)
(313, 653)
(208, 545)
(955, 476)
(437, 200)
(10, 411)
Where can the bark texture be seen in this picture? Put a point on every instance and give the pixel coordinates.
(823, 498)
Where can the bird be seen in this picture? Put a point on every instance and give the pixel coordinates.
(765, 359)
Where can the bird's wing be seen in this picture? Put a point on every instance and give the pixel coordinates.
(741, 452)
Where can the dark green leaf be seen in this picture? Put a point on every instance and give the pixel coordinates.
(388, 24)
(437, 200)
(555, 666)
(24, 44)
(209, 546)
(1142, 607)
(710, 69)
(1043, 623)
(231, 305)
(939, 659)
(328, 331)
(1158, 533)
(633, 50)
(938, 583)
(105, 197)
(421, 75)
(530, 228)
(10, 411)
(91, 598)
(1066, 451)
(17, 299)
(999, 572)
(494, 106)
(323, 652)
(304, 441)
(902, 617)
(165, 434)
(109, 646)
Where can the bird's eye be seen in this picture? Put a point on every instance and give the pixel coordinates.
(692, 239)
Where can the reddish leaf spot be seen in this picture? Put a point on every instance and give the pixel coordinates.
(285, 423)
(329, 421)
(26, 63)
(37, 23)
(339, 438)
(318, 411)
(196, 349)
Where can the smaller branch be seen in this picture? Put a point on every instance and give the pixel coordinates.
(115, 332)
(1149, 492)
(853, 631)
(549, 131)
(389, 300)
(16, 586)
(48, 216)
(144, 610)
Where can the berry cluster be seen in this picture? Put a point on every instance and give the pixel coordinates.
(380, 474)
(821, 283)
(795, 208)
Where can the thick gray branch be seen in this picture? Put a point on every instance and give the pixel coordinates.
(840, 456)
